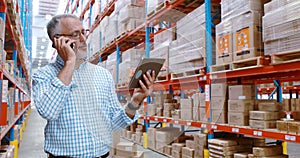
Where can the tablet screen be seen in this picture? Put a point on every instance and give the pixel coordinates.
(146, 64)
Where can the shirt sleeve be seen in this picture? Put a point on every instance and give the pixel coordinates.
(49, 95)
(119, 118)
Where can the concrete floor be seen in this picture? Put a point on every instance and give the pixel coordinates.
(32, 145)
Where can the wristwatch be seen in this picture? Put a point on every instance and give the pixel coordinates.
(132, 107)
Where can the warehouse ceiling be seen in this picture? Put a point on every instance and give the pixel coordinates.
(42, 52)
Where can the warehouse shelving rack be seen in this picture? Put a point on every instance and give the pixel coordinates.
(261, 74)
(13, 45)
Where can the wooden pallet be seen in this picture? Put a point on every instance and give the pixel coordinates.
(285, 57)
(120, 36)
(162, 78)
(220, 68)
(250, 63)
(187, 73)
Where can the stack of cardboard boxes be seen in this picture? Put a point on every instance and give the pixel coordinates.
(218, 102)
(7, 151)
(291, 122)
(186, 109)
(165, 136)
(130, 60)
(281, 26)
(124, 149)
(239, 35)
(227, 147)
(274, 151)
(241, 101)
(190, 42)
(161, 50)
(266, 116)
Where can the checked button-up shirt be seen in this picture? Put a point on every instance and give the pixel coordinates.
(81, 116)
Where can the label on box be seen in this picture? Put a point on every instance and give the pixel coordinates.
(224, 45)
(243, 40)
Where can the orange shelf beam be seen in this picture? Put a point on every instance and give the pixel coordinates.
(227, 128)
(107, 11)
(68, 4)
(76, 4)
(6, 130)
(12, 79)
(86, 8)
(271, 71)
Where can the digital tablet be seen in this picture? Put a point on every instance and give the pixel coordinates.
(145, 65)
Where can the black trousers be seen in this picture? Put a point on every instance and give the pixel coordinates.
(52, 156)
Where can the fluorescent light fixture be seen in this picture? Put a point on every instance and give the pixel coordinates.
(48, 16)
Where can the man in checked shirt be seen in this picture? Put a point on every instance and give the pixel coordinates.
(78, 99)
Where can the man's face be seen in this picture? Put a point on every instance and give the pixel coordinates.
(74, 30)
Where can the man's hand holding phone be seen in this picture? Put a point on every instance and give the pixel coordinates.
(65, 48)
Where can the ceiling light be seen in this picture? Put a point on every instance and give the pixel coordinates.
(43, 39)
(41, 52)
(48, 16)
(42, 47)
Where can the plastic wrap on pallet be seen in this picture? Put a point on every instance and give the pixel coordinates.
(152, 4)
(120, 4)
(162, 51)
(224, 42)
(130, 25)
(165, 37)
(275, 4)
(134, 55)
(129, 12)
(287, 44)
(247, 36)
(196, 19)
(283, 14)
(282, 30)
(111, 64)
(230, 8)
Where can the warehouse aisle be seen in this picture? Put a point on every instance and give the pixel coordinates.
(32, 145)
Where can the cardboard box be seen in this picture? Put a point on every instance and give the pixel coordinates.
(219, 103)
(219, 90)
(195, 112)
(200, 139)
(190, 144)
(224, 42)
(264, 115)
(186, 114)
(202, 100)
(241, 92)
(126, 149)
(294, 127)
(177, 147)
(295, 104)
(262, 124)
(168, 149)
(282, 125)
(240, 105)
(267, 150)
(186, 103)
(269, 106)
(241, 155)
(223, 142)
(188, 151)
(286, 104)
(238, 118)
(219, 116)
(176, 154)
(202, 113)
